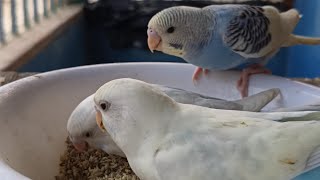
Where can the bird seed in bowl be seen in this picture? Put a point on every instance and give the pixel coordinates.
(93, 164)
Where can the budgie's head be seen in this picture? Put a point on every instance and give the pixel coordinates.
(179, 30)
(84, 132)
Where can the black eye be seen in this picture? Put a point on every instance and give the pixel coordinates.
(88, 134)
(104, 105)
(170, 30)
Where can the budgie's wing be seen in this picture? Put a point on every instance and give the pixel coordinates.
(188, 97)
(314, 158)
(248, 33)
(173, 158)
(252, 103)
(258, 101)
(308, 107)
(190, 155)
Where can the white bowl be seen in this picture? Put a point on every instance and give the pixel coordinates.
(34, 110)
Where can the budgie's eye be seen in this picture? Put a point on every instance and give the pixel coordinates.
(104, 105)
(170, 30)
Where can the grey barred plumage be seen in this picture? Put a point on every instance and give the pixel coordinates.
(175, 45)
(248, 32)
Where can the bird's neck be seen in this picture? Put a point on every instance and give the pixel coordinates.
(201, 36)
(139, 146)
(146, 136)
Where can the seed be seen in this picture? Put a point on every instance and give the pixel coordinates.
(93, 164)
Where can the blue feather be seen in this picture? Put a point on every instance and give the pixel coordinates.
(218, 55)
(313, 174)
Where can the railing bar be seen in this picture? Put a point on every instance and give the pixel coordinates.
(35, 11)
(27, 18)
(2, 37)
(14, 17)
(26, 14)
(60, 3)
(53, 6)
(45, 8)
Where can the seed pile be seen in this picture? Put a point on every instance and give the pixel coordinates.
(94, 165)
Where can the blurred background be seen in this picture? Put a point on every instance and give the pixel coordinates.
(44, 35)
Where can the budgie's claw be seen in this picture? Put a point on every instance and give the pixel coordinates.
(243, 82)
(206, 72)
(197, 74)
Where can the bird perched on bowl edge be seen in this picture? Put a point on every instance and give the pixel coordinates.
(223, 37)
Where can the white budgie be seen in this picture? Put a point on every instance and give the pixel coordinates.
(166, 140)
(83, 130)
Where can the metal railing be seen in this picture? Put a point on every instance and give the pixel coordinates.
(18, 16)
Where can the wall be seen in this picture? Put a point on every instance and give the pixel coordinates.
(304, 61)
(68, 50)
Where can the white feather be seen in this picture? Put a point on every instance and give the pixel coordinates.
(165, 140)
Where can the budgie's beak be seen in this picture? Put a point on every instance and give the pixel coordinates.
(79, 144)
(153, 39)
(99, 121)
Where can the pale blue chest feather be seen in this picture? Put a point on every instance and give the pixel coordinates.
(216, 56)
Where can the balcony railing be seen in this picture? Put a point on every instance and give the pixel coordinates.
(18, 16)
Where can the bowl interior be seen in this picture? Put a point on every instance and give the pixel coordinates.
(34, 110)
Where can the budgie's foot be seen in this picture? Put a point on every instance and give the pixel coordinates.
(243, 82)
(197, 73)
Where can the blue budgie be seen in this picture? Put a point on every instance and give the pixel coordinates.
(222, 37)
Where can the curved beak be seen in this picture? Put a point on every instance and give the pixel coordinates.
(153, 40)
(99, 121)
(81, 146)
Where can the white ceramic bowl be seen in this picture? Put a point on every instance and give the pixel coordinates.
(34, 110)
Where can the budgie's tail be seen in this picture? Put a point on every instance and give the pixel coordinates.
(257, 101)
(310, 116)
(289, 20)
(301, 40)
